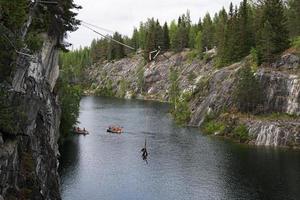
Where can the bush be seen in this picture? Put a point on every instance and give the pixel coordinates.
(106, 91)
(241, 132)
(254, 59)
(122, 88)
(296, 43)
(192, 55)
(212, 127)
(182, 113)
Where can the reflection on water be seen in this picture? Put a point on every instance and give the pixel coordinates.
(182, 164)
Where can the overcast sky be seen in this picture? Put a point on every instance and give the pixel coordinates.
(123, 15)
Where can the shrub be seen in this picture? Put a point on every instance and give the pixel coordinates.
(212, 127)
(192, 55)
(241, 132)
(182, 111)
(296, 43)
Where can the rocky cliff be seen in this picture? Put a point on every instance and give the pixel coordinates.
(211, 89)
(29, 128)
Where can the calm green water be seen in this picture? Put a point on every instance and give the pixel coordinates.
(182, 165)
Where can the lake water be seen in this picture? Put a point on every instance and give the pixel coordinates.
(183, 164)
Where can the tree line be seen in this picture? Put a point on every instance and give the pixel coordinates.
(264, 27)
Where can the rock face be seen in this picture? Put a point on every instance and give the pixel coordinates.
(28, 149)
(212, 89)
(275, 133)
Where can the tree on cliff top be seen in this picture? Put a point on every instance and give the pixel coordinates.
(272, 25)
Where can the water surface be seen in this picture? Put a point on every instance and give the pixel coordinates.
(182, 165)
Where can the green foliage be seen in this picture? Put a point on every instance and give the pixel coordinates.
(180, 103)
(166, 37)
(34, 41)
(73, 64)
(293, 13)
(46, 18)
(198, 42)
(174, 90)
(248, 92)
(192, 55)
(207, 33)
(123, 87)
(254, 59)
(106, 90)
(182, 113)
(241, 132)
(115, 50)
(11, 114)
(272, 35)
(212, 127)
(296, 43)
(277, 116)
(70, 96)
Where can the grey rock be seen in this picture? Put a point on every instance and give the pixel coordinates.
(212, 88)
(31, 154)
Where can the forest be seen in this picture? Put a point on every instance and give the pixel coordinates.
(263, 28)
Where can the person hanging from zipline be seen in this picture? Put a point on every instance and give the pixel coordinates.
(145, 152)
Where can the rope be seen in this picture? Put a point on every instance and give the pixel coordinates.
(109, 38)
(98, 27)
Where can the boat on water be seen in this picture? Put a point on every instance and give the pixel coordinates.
(80, 131)
(115, 129)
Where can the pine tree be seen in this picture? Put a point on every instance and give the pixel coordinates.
(248, 93)
(166, 38)
(220, 35)
(232, 42)
(293, 14)
(159, 35)
(115, 50)
(274, 21)
(142, 36)
(266, 46)
(192, 36)
(135, 39)
(245, 32)
(207, 32)
(198, 42)
(173, 34)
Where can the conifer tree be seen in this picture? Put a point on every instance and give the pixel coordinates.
(207, 32)
(115, 50)
(166, 38)
(245, 31)
(273, 21)
(135, 39)
(293, 14)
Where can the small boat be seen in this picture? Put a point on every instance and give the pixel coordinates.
(80, 131)
(115, 129)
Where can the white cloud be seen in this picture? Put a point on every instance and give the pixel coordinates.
(123, 15)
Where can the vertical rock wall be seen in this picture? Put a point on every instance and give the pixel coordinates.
(29, 150)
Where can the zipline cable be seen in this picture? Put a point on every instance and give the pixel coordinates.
(107, 37)
(98, 27)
